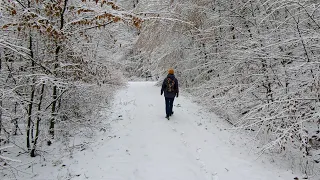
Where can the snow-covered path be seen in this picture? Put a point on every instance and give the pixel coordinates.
(145, 146)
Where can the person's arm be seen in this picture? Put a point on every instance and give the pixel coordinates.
(163, 86)
(177, 88)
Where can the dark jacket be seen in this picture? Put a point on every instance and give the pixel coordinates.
(164, 87)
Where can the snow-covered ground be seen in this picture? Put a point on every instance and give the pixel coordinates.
(143, 145)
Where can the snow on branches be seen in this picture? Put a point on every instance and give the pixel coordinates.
(50, 71)
(254, 63)
(48, 16)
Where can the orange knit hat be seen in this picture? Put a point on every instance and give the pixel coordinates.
(171, 71)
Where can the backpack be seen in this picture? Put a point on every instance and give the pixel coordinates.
(170, 85)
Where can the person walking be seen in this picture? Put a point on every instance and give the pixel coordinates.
(170, 88)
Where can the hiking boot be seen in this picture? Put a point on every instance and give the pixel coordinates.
(167, 117)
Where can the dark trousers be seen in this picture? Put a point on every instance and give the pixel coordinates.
(169, 105)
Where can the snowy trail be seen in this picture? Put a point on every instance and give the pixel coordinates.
(146, 146)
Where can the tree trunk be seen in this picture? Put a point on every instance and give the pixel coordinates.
(0, 95)
(54, 96)
(32, 153)
(53, 111)
(31, 97)
(1, 112)
(29, 117)
(56, 65)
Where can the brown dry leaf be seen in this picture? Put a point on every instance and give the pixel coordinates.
(5, 26)
(116, 19)
(137, 22)
(115, 7)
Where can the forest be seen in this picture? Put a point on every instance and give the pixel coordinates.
(255, 63)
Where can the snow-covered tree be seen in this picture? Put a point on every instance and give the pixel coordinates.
(51, 76)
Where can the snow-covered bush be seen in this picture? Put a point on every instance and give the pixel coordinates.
(57, 68)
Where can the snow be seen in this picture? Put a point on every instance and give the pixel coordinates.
(143, 145)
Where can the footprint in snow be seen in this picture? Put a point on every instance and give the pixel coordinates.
(202, 165)
(214, 176)
(185, 143)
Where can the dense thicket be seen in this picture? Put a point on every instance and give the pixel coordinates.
(55, 72)
(254, 62)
